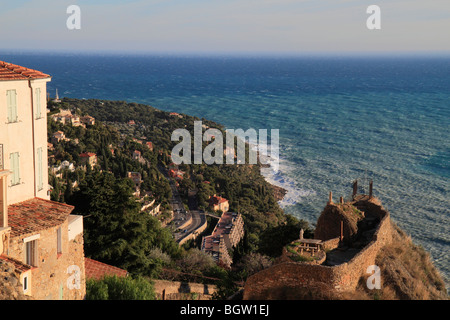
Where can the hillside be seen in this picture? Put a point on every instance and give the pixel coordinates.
(140, 243)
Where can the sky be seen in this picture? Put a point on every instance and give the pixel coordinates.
(226, 26)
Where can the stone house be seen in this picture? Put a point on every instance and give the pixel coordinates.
(218, 203)
(88, 158)
(38, 236)
(58, 136)
(88, 120)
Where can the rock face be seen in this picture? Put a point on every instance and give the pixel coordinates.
(329, 222)
(10, 287)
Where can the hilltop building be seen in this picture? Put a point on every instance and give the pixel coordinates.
(347, 238)
(41, 238)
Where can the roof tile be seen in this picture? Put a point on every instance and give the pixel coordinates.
(36, 214)
(9, 71)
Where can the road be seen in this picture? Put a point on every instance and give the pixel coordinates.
(181, 215)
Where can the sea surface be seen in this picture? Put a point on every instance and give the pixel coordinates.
(339, 119)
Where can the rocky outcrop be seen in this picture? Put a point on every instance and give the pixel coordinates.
(329, 222)
(373, 240)
(10, 287)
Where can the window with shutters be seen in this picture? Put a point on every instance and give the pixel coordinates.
(38, 103)
(40, 170)
(14, 162)
(31, 254)
(11, 105)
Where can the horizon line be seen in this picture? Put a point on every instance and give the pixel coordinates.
(206, 53)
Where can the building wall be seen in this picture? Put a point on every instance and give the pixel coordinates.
(52, 277)
(18, 137)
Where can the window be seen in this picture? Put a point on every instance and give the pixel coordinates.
(14, 162)
(40, 170)
(59, 240)
(11, 103)
(37, 93)
(31, 253)
(25, 284)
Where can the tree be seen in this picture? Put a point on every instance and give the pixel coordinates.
(123, 288)
(116, 232)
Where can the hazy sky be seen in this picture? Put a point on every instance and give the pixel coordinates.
(225, 26)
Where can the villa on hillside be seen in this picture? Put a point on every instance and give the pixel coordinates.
(88, 158)
(218, 203)
(39, 237)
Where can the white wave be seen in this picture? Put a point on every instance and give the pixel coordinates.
(281, 178)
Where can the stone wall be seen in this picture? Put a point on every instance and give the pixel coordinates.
(343, 277)
(176, 290)
(51, 278)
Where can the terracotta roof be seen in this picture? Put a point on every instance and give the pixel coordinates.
(36, 214)
(217, 200)
(20, 266)
(9, 71)
(87, 154)
(97, 270)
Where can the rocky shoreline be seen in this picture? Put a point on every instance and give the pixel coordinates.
(278, 192)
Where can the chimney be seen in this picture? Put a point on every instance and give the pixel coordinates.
(370, 189)
(330, 198)
(341, 200)
(301, 234)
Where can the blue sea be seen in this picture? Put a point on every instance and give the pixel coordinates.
(340, 118)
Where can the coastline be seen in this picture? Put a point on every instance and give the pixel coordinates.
(278, 192)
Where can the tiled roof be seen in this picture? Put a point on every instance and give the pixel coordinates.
(87, 154)
(216, 200)
(37, 214)
(20, 266)
(9, 71)
(97, 270)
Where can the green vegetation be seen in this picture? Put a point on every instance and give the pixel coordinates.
(118, 233)
(120, 288)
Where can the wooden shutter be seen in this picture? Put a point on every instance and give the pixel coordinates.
(13, 102)
(9, 105)
(14, 161)
(38, 103)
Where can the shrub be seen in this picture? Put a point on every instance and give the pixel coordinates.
(123, 288)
